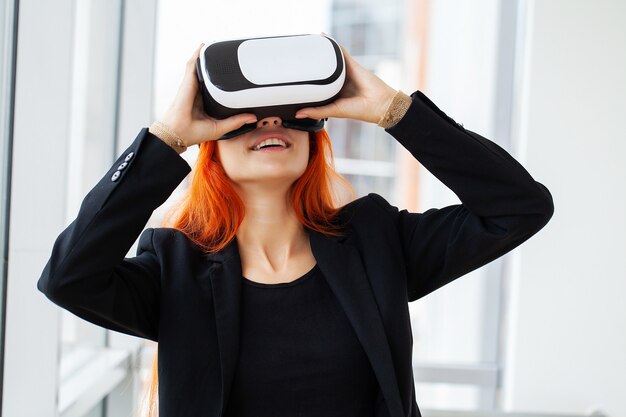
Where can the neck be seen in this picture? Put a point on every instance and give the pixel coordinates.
(270, 233)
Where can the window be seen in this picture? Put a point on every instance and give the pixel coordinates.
(365, 154)
(8, 22)
(71, 116)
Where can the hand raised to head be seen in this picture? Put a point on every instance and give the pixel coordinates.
(363, 96)
(186, 117)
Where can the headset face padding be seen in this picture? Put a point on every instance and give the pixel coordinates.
(308, 125)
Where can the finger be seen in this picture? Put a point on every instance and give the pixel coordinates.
(345, 53)
(189, 86)
(352, 64)
(190, 69)
(231, 123)
(329, 110)
(196, 54)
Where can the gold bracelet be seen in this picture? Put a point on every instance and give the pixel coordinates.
(163, 132)
(396, 110)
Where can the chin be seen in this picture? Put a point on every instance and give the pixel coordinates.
(273, 180)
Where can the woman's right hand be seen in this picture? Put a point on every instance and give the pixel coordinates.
(186, 116)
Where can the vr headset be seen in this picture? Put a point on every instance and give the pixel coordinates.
(270, 76)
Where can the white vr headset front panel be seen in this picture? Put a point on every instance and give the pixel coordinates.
(312, 57)
(288, 59)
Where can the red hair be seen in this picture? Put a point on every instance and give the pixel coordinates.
(211, 211)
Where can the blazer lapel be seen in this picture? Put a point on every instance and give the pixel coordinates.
(225, 276)
(341, 265)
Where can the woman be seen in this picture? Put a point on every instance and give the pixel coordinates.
(265, 298)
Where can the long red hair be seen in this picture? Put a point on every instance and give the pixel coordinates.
(211, 211)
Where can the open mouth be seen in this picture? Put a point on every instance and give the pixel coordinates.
(271, 144)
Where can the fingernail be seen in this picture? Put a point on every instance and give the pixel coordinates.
(301, 115)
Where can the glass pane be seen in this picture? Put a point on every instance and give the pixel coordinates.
(365, 184)
(370, 32)
(447, 396)
(7, 38)
(92, 124)
(97, 27)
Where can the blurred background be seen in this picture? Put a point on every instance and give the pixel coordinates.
(540, 331)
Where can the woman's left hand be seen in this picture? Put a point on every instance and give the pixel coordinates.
(363, 96)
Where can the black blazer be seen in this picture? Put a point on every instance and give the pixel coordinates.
(189, 302)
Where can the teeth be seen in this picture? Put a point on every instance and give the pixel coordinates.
(270, 141)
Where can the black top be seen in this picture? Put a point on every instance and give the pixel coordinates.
(299, 355)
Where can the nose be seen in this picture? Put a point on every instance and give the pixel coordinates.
(269, 121)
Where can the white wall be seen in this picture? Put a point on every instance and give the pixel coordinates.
(567, 341)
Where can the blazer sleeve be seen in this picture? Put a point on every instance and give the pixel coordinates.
(501, 204)
(87, 272)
